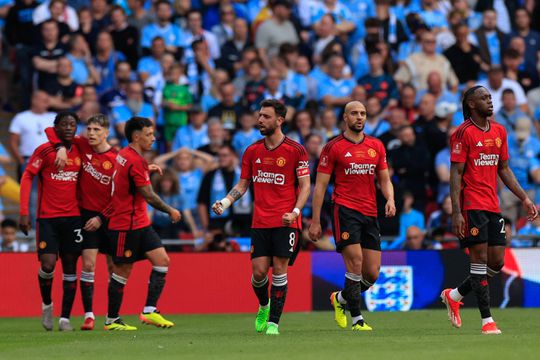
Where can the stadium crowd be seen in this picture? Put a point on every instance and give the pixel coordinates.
(199, 70)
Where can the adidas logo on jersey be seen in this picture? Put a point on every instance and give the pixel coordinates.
(479, 144)
(258, 161)
(89, 156)
(348, 154)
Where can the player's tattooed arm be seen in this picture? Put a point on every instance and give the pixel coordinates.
(235, 194)
(153, 199)
(239, 190)
(456, 175)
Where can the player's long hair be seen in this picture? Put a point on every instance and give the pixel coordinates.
(464, 104)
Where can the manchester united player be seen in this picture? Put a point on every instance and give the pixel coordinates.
(479, 153)
(98, 159)
(130, 232)
(58, 228)
(354, 159)
(278, 168)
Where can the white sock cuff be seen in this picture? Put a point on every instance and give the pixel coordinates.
(259, 284)
(491, 272)
(353, 276)
(478, 269)
(161, 269)
(87, 276)
(122, 280)
(366, 283)
(42, 274)
(69, 277)
(279, 280)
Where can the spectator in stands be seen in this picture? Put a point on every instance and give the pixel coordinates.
(217, 137)
(125, 36)
(195, 134)
(168, 188)
(440, 223)
(415, 239)
(9, 241)
(417, 67)
(88, 28)
(514, 66)
(393, 32)
(464, 56)
(378, 83)
(426, 112)
(83, 71)
(241, 77)
(338, 10)
(302, 125)
(195, 31)
(531, 39)
(19, 33)
(442, 168)
(117, 95)
(273, 91)
(57, 10)
(247, 134)
(472, 18)
(275, 31)
(100, 13)
(329, 125)
(432, 15)
(47, 52)
(87, 109)
(254, 86)
(139, 17)
(509, 113)
(531, 229)
(293, 85)
(335, 90)
(524, 151)
(407, 102)
(417, 27)
(375, 124)
(177, 100)
(134, 106)
(215, 185)
(105, 60)
(496, 83)
(436, 88)
(231, 51)
(228, 110)
(64, 93)
(162, 27)
(396, 120)
(212, 96)
(489, 39)
(411, 163)
(200, 68)
(151, 65)
(409, 217)
(223, 31)
(325, 33)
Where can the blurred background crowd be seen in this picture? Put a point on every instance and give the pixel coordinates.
(199, 69)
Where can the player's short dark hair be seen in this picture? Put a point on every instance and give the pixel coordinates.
(65, 114)
(279, 107)
(136, 123)
(8, 223)
(99, 119)
(465, 104)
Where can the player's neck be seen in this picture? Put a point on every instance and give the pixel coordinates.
(136, 147)
(101, 148)
(355, 137)
(274, 140)
(480, 122)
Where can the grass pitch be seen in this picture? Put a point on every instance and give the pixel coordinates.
(411, 335)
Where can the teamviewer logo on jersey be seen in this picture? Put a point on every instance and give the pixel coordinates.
(269, 178)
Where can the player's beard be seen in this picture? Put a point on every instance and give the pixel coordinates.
(267, 131)
(354, 129)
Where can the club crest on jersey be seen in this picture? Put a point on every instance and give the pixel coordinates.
(107, 165)
(474, 231)
(324, 160)
(78, 161)
(281, 161)
(37, 163)
(498, 142)
(372, 153)
(457, 148)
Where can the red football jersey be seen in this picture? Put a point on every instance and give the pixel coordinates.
(274, 174)
(95, 179)
(128, 205)
(354, 166)
(481, 152)
(57, 190)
